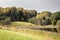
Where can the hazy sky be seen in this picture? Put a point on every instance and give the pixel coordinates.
(39, 5)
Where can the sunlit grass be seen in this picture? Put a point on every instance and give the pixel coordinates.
(32, 34)
(22, 24)
(9, 35)
(39, 35)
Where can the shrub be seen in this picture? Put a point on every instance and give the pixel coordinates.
(34, 20)
(55, 17)
(6, 21)
(44, 17)
(58, 26)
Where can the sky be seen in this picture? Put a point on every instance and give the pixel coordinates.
(39, 5)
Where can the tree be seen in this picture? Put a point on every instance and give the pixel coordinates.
(2, 13)
(58, 26)
(33, 20)
(29, 14)
(1, 10)
(55, 17)
(7, 11)
(12, 15)
(5, 21)
(19, 14)
(44, 17)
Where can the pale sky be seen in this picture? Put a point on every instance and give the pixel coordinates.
(39, 5)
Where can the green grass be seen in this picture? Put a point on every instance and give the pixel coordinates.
(44, 34)
(26, 34)
(9, 35)
(22, 24)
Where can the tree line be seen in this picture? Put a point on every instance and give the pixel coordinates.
(46, 18)
(11, 14)
(16, 14)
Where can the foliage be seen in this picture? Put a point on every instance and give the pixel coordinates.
(29, 14)
(43, 14)
(33, 20)
(55, 17)
(21, 14)
(5, 21)
(17, 14)
(58, 26)
(44, 17)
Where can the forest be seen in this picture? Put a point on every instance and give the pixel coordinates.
(12, 14)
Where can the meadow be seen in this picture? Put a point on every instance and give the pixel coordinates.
(14, 33)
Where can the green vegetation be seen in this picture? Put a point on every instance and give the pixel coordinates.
(9, 35)
(20, 14)
(55, 17)
(58, 26)
(33, 20)
(22, 24)
(43, 18)
(21, 20)
(39, 34)
(16, 14)
(27, 34)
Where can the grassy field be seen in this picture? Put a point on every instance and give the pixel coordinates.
(30, 34)
(9, 35)
(22, 24)
(41, 34)
(26, 34)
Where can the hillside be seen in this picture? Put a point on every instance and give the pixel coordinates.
(27, 34)
(9, 35)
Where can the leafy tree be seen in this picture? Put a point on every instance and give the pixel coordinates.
(58, 26)
(33, 20)
(2, 13)
(44, 17)
(29, 14)
(13, 10)
(55, 17)
(5, 21)
(1, 10)
(19, 14)
(7, 11)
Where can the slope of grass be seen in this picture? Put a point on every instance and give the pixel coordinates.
(45, 34)
(22, 24)
(27, 34)
(8, 35)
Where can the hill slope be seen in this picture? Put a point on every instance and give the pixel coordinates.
(9, 35)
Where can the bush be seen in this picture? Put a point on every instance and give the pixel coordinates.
(55, 17)
(6, 21)
(34, 20)
(44, 18)
(58, 26)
